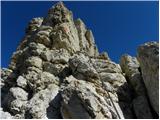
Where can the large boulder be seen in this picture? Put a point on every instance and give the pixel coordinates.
(39, 81)
(34, 61)
(82, 68)
(16, 99)
(38, 104)
(148, 56)
(22, 82)
(82, 99)
(130, 66)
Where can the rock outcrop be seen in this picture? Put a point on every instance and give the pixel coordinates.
(131, 67)
(148, 56)
(57, 72)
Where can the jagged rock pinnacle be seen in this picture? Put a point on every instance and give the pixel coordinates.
(58, 14)
(61, 6)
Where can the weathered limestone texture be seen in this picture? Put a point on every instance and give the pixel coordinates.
(130, 66)
(148, 56)
(57, 72)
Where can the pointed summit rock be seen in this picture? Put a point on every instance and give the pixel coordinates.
(58, 14)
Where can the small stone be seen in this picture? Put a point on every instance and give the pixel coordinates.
(36, 49)
(16, 106)
(34, 24)
(60, 56)
(5, 115)
(18, 93)
(47, 55)
(53, 68)
(21, 82)
(108, 87)
(43, 38)
(34, 61)
(112, 77)
(107, 66)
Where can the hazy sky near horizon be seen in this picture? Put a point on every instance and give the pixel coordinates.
(118, 27)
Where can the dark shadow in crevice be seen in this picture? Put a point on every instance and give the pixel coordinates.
(66, 72)
(154, 114)
(8, 82)
(28, 115)
(125, 96)
(30, 93)
(53, 111)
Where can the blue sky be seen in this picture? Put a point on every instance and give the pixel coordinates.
(118, 27)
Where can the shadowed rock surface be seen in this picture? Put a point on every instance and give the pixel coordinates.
(148, 56)
(57, 72)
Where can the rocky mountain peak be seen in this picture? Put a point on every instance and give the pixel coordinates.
(58, 14)
(60, 31)
(57, 72)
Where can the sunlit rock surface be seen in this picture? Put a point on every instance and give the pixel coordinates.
(57, 72)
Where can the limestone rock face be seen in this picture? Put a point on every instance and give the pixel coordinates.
(82, 68)
(84, 100)
(148, 56)
(38, 104)
(5, 115)
(130, 66)
(57, 72)
(86, 39)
